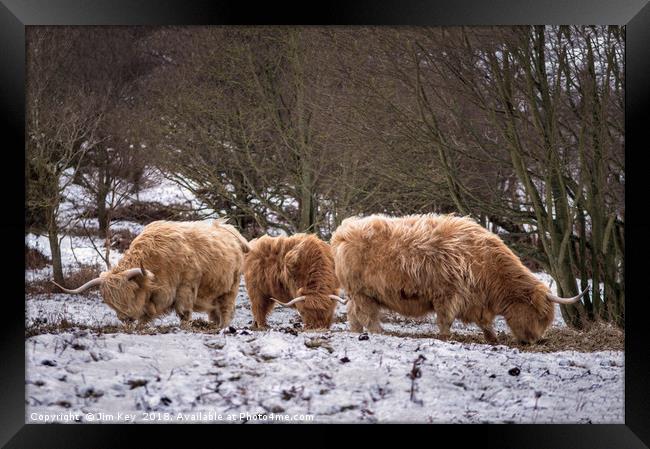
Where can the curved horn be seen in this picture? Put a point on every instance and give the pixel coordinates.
(290, 303)
(572, 300)
(338, 298)
(131, 272)
(86, 286)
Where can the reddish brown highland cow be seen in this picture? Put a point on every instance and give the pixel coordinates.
(296, 271)
(445, 264)
(181, 266)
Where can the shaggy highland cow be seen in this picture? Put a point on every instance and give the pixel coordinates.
(296, 271)
(445, 264)
(184, 266)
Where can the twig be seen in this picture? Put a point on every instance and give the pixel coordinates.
(416, 373)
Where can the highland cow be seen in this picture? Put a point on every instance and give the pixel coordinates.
(181, 266)
(445, 264)
(296, 271)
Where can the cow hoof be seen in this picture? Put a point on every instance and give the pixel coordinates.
(257, 327)
(492, 340)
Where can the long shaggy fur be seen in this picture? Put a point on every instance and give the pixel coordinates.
(194, 266)
(287, 267)
(445, 264)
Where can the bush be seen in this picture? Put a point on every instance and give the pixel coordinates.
(74, 279)
(34, 259)
(121, 239)
(146, 212)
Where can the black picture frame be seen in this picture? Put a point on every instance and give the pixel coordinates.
(16, 14)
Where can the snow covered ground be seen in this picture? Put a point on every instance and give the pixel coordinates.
(160, 190)
(167, 374)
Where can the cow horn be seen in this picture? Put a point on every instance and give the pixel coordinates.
(290, 303)
(86, 286)
(572, 300)
(131, 272)
(338, 298)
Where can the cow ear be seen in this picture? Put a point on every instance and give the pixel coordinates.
(140, 279)
(146, 273)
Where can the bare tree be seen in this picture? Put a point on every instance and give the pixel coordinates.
(63, 114)
(119, 64)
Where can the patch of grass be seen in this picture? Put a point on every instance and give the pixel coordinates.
(597, 337)
(34, 259)
(40, 287)
(81, 275)
(202, 325)
(198, 326)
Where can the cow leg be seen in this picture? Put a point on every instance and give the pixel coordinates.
(364, 314)
(355, 323)
(260, 308)
(225, 308)
(444, 321)
(485, 323)
(143, 322)
(185, 298)
(489, 334)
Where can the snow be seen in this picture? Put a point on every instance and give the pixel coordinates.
(75, 252)
(287, 374)
(160, 190)
(168, 192)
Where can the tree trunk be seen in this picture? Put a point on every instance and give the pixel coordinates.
(103, 189)
(307, 205)
(55, 249)
(573, 314)
(102, 215)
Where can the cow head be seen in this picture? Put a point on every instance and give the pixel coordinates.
(126, 291)
(316, 309)
(529, 318)
(527, 322)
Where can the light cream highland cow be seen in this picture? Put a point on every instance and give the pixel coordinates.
(445, 264)
(181, 266)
